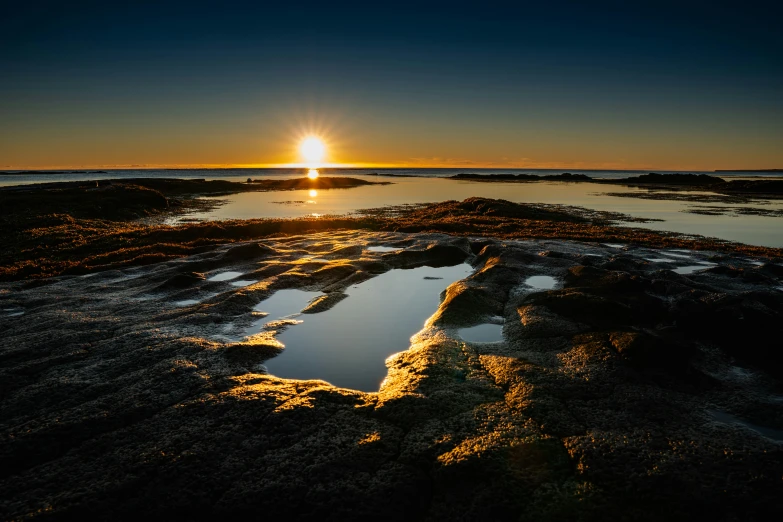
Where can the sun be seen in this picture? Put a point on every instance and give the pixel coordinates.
(312, 149)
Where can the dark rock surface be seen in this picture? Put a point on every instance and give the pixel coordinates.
(628, 392)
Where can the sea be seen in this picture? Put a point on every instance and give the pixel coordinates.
(758, 222)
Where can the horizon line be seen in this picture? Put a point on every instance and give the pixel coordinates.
(328, 166)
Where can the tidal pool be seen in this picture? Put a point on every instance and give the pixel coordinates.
(690, 269)
(283, 304)
(225, 276)
(672, 254)
(541, 282)
(483, 333)
(348, 344)
(243, 282)
(187, 302)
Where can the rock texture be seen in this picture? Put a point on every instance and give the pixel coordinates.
(629, 392)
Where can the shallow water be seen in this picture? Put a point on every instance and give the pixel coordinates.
(243, 282)
(225, 276)
(428, 185)
(283, 304)
(691, 269)
(241, 174)
(541, 282)
(382, 249)
(751, 229)
(348, 344)
(483, 333)
(187, 302)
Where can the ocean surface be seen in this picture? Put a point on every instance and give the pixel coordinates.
(429, 185)
(11, 177)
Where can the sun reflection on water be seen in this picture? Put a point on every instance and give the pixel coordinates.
(312, 174)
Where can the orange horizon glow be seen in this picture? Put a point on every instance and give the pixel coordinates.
(331, 143)
(391, 165)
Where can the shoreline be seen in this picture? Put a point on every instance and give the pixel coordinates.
(82, 228)
(145, 363)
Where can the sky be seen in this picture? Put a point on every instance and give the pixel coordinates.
(580, 85)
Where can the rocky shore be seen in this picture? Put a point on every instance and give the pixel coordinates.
(645, 385)
(628, 392)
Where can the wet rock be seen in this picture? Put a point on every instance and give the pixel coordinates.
(253, 352)
(346, 251)
(434, 255)
(466, 303)
(585, 308)
(644, 350)
(183, 280)
(606, 280)
(771, 269)
(248, 252)
(478, 245)
(596, 406)
(324, 302)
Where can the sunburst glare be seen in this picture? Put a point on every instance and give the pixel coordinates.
(312, 149)
(312, 174)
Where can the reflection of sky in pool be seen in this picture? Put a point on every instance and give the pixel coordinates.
(483, 333)
(348, 344)
(225, 276)
(541, 282)
(382, 249)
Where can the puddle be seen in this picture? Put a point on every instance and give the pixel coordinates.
(282, 305)
(383, 249)
(483, 333)
(659, 260)
(690, 269)
(12, 312)
(243, 282)
(225, 276)
(727, 418)
(672, 254)
(541, 282)
(187, 302)
(614, 245)
(348, 344)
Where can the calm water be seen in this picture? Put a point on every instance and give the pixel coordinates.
(427, 185)
(483, 333)
(242, 174)
(348, 344)
(758, 230)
